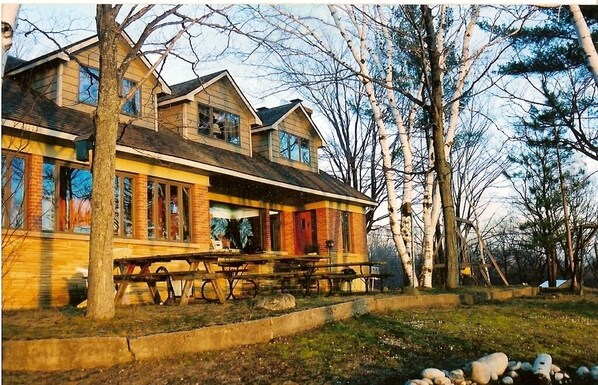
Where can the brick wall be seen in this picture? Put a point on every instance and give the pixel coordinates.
(200, 215)
(288, 232)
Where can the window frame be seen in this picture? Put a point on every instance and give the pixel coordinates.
(7, 184)
(185, 213)
(293, 147)
(346, 231)
(224, 134)
(135, 99)
(121, 233)
(85, 70)
(93, 97)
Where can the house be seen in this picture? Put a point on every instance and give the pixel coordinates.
(196, 164)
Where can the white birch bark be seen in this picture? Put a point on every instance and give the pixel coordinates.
(9, 24)
(585, 40)
(359, 54)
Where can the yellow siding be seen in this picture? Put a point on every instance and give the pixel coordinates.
(261, 144)
(46, 82)
(171, 117)
(137, 70)
(297, 124)
(47, 269)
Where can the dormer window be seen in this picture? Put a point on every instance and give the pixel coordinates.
(219, 124)
(293, 147)
(89, 90)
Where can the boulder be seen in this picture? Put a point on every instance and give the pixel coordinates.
(507, 380)
(432, 373)
(276, 302)
(594, 373)
(488, 368)
(542, 367)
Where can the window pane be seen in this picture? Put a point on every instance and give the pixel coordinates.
(151, 226)
(284, 144)
(127, 199)
(293, 147)
(133, 105)
(116, 225)
(161, 202)
(186, 209)
(49, 197)
(232, 123)
(88, 85)
(304, 150)
(75, 200)
(174, 213)
(205, 120)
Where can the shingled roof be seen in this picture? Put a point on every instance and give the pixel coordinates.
(188, 86)
(21, 105)
(270, 116)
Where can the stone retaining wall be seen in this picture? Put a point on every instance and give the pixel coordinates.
(92, 352)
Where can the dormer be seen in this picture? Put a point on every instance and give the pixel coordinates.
(68, 77)
(288, 136)
(210, 109)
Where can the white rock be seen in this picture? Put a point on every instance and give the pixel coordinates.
(513, 374)
(594, 373)
(428, 381)
(555, 369)
(514, 365)
(582, 372)
(542, 366)
(488, 367)
(432, 373)
(507, 380)
(526, 367)
(559, 376)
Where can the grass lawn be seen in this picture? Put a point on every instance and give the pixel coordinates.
(374, 349)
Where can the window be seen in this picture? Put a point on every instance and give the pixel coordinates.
(133, 105)
(168, 208)
(66, 201)
(294, 148)
(219, 124)
(13, 190)
(346, 217)
(89, 90)
(123, 206)
(88, 85)
(238, 227)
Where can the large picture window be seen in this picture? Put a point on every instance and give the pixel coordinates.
(13, 190)
(89, 90)
(238, 227)
(168, 208)
(219, 124)
(66, 201)
(293, 147)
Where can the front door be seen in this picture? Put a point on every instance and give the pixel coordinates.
(305, 232)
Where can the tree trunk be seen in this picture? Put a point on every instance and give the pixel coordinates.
(443, 168)
(100, 304)
(585, 40)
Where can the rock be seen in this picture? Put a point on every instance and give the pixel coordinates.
(594, 373)
(457, 376)
(507, 380)
(276, 302)
(442, 381)
(555, 369)
(514, 365)
(542, 367)
(583, 372)
(513, 374)
(488, 367)
(526, 367)
(432, 373)
(416, 382)
(428, 381)
(559, 376)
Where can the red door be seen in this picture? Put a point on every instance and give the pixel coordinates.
(305, 232)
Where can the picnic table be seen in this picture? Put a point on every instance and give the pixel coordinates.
(128, 265)
(347, 272)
